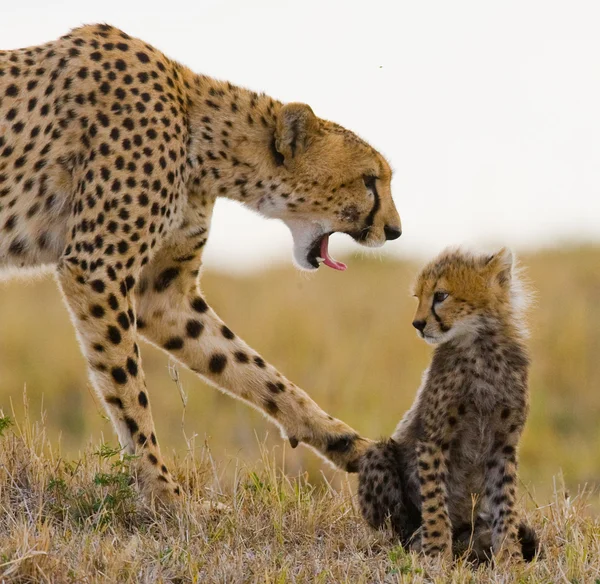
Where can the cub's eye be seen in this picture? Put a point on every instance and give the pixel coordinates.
(369, 181)
(439, 297)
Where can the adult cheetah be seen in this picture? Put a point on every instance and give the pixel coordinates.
(111, 158)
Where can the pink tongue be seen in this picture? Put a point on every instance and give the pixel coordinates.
(328, 260)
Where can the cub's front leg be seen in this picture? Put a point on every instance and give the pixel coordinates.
(501, 483)
(436, 538)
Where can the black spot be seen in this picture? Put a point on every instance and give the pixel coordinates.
(114, 335)
(113, 302)
(241, 357)
(17, 247)
(199, 305)
(10, 222)
(131, 424)
(152, 458)
(227, 332)
(165, 279)
(97, 286)
(193, 328)
(143, 399)
(132, 366)
(97, 311)
(260, 362)
(123, 321)
(173, 343)
(271, 407)
(275, 387)
(217, 363)
(119, 375)
(115, 401)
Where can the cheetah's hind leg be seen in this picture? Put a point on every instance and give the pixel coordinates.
(383, 492)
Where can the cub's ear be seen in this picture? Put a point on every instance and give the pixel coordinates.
(296, 125)
(499, 266)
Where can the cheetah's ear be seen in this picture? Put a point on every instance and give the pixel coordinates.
(499, 266)
(296, 125)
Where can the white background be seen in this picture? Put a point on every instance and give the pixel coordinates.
(489, 112)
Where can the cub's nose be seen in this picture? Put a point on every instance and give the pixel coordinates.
(419, 325)
(392, 232)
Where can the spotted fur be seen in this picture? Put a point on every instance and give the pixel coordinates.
(453, 457)
(111, 158)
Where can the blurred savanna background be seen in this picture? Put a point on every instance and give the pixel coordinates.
(344, 337)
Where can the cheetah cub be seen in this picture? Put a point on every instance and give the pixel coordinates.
(449, 472)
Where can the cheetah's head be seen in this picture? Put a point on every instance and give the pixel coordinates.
(331, 181)
(460, 292)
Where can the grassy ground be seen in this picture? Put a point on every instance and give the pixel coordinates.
(83, 521)
(69, 514)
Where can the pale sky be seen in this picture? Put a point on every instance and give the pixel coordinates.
(489, 112)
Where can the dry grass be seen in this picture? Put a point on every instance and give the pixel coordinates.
(83, 521)
(74, 516)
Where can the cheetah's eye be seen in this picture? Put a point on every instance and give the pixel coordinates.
(439, 297)
(369, 181)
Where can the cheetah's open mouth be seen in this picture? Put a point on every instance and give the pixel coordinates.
(319, 252)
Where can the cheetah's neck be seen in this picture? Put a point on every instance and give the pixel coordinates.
(232, 140)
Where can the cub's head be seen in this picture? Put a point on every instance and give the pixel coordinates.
(460, 292)
(329, 180)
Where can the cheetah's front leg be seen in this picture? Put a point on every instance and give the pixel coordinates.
(102, 310)
(501, 479)
(436, 536)
(177, 319)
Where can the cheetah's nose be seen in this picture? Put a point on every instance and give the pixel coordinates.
(392, 232)
(419, 324)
